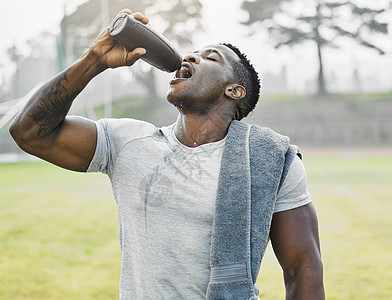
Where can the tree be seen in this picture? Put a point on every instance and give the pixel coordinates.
(292, 22)
(177, 20)
(15, 56)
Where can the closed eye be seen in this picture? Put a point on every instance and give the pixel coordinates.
(211, 58)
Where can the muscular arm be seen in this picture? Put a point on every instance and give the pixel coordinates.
(294, 237)
(42, 127)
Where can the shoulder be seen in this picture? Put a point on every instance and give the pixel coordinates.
(268, 134)
(296, 178)
(125, 129)
(112, 135)
(293, 192)
(125, 123)
(264, 138)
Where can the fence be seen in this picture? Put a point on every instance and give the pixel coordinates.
(315, 124)
(371, 134)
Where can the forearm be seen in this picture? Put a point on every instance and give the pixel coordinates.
(48, 107)
(41, 127)
(305, 283)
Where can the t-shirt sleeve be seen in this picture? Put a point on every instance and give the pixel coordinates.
(294, 190)
(112, 135)
(103, 155)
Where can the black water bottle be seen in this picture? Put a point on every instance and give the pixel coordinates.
(132, 33)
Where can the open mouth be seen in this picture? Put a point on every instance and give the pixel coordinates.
(184, 72)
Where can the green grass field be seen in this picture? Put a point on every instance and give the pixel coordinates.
(58, 230)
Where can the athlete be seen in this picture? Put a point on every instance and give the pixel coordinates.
(183, 190)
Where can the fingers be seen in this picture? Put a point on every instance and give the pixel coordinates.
(126, 10)
(141, 17)
(103, 32)
(134, 55)
(139, 51)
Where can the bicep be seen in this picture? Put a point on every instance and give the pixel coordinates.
(72, 145)
(295, 238)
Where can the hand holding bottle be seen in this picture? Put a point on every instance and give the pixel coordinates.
(133, 32)
(110, 53)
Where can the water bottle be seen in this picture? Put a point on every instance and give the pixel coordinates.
(132, 33)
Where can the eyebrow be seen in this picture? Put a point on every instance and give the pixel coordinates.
(211, 51)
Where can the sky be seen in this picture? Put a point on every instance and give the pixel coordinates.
(21, 20)
(24, 19)
(36, 16)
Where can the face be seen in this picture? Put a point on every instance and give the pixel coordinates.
(200, 83)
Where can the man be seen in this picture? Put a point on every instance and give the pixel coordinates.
(191, 219)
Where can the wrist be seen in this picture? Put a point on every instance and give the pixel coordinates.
(83, 71)
(92, 64)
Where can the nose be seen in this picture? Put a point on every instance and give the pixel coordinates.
(191, 58)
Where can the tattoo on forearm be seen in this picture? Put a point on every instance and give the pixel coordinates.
(53, 105)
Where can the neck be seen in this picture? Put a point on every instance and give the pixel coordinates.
(194, 130)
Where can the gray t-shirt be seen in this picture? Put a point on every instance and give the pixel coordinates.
(165, 192)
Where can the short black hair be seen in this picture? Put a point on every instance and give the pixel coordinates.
(245, 75)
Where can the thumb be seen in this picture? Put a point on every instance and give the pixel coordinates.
(134, 55)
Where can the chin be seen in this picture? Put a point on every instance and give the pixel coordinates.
(174, 100)
(174, 96)
(170, 96)
(177, 103)
(192, 100)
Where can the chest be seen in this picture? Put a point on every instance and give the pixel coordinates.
(154, 184)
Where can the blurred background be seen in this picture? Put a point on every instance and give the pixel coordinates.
(326, 66)
(326, 70)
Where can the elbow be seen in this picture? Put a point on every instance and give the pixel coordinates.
(14, 131)
(20, 135)
(305, 282)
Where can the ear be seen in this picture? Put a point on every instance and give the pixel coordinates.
(235, 91)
